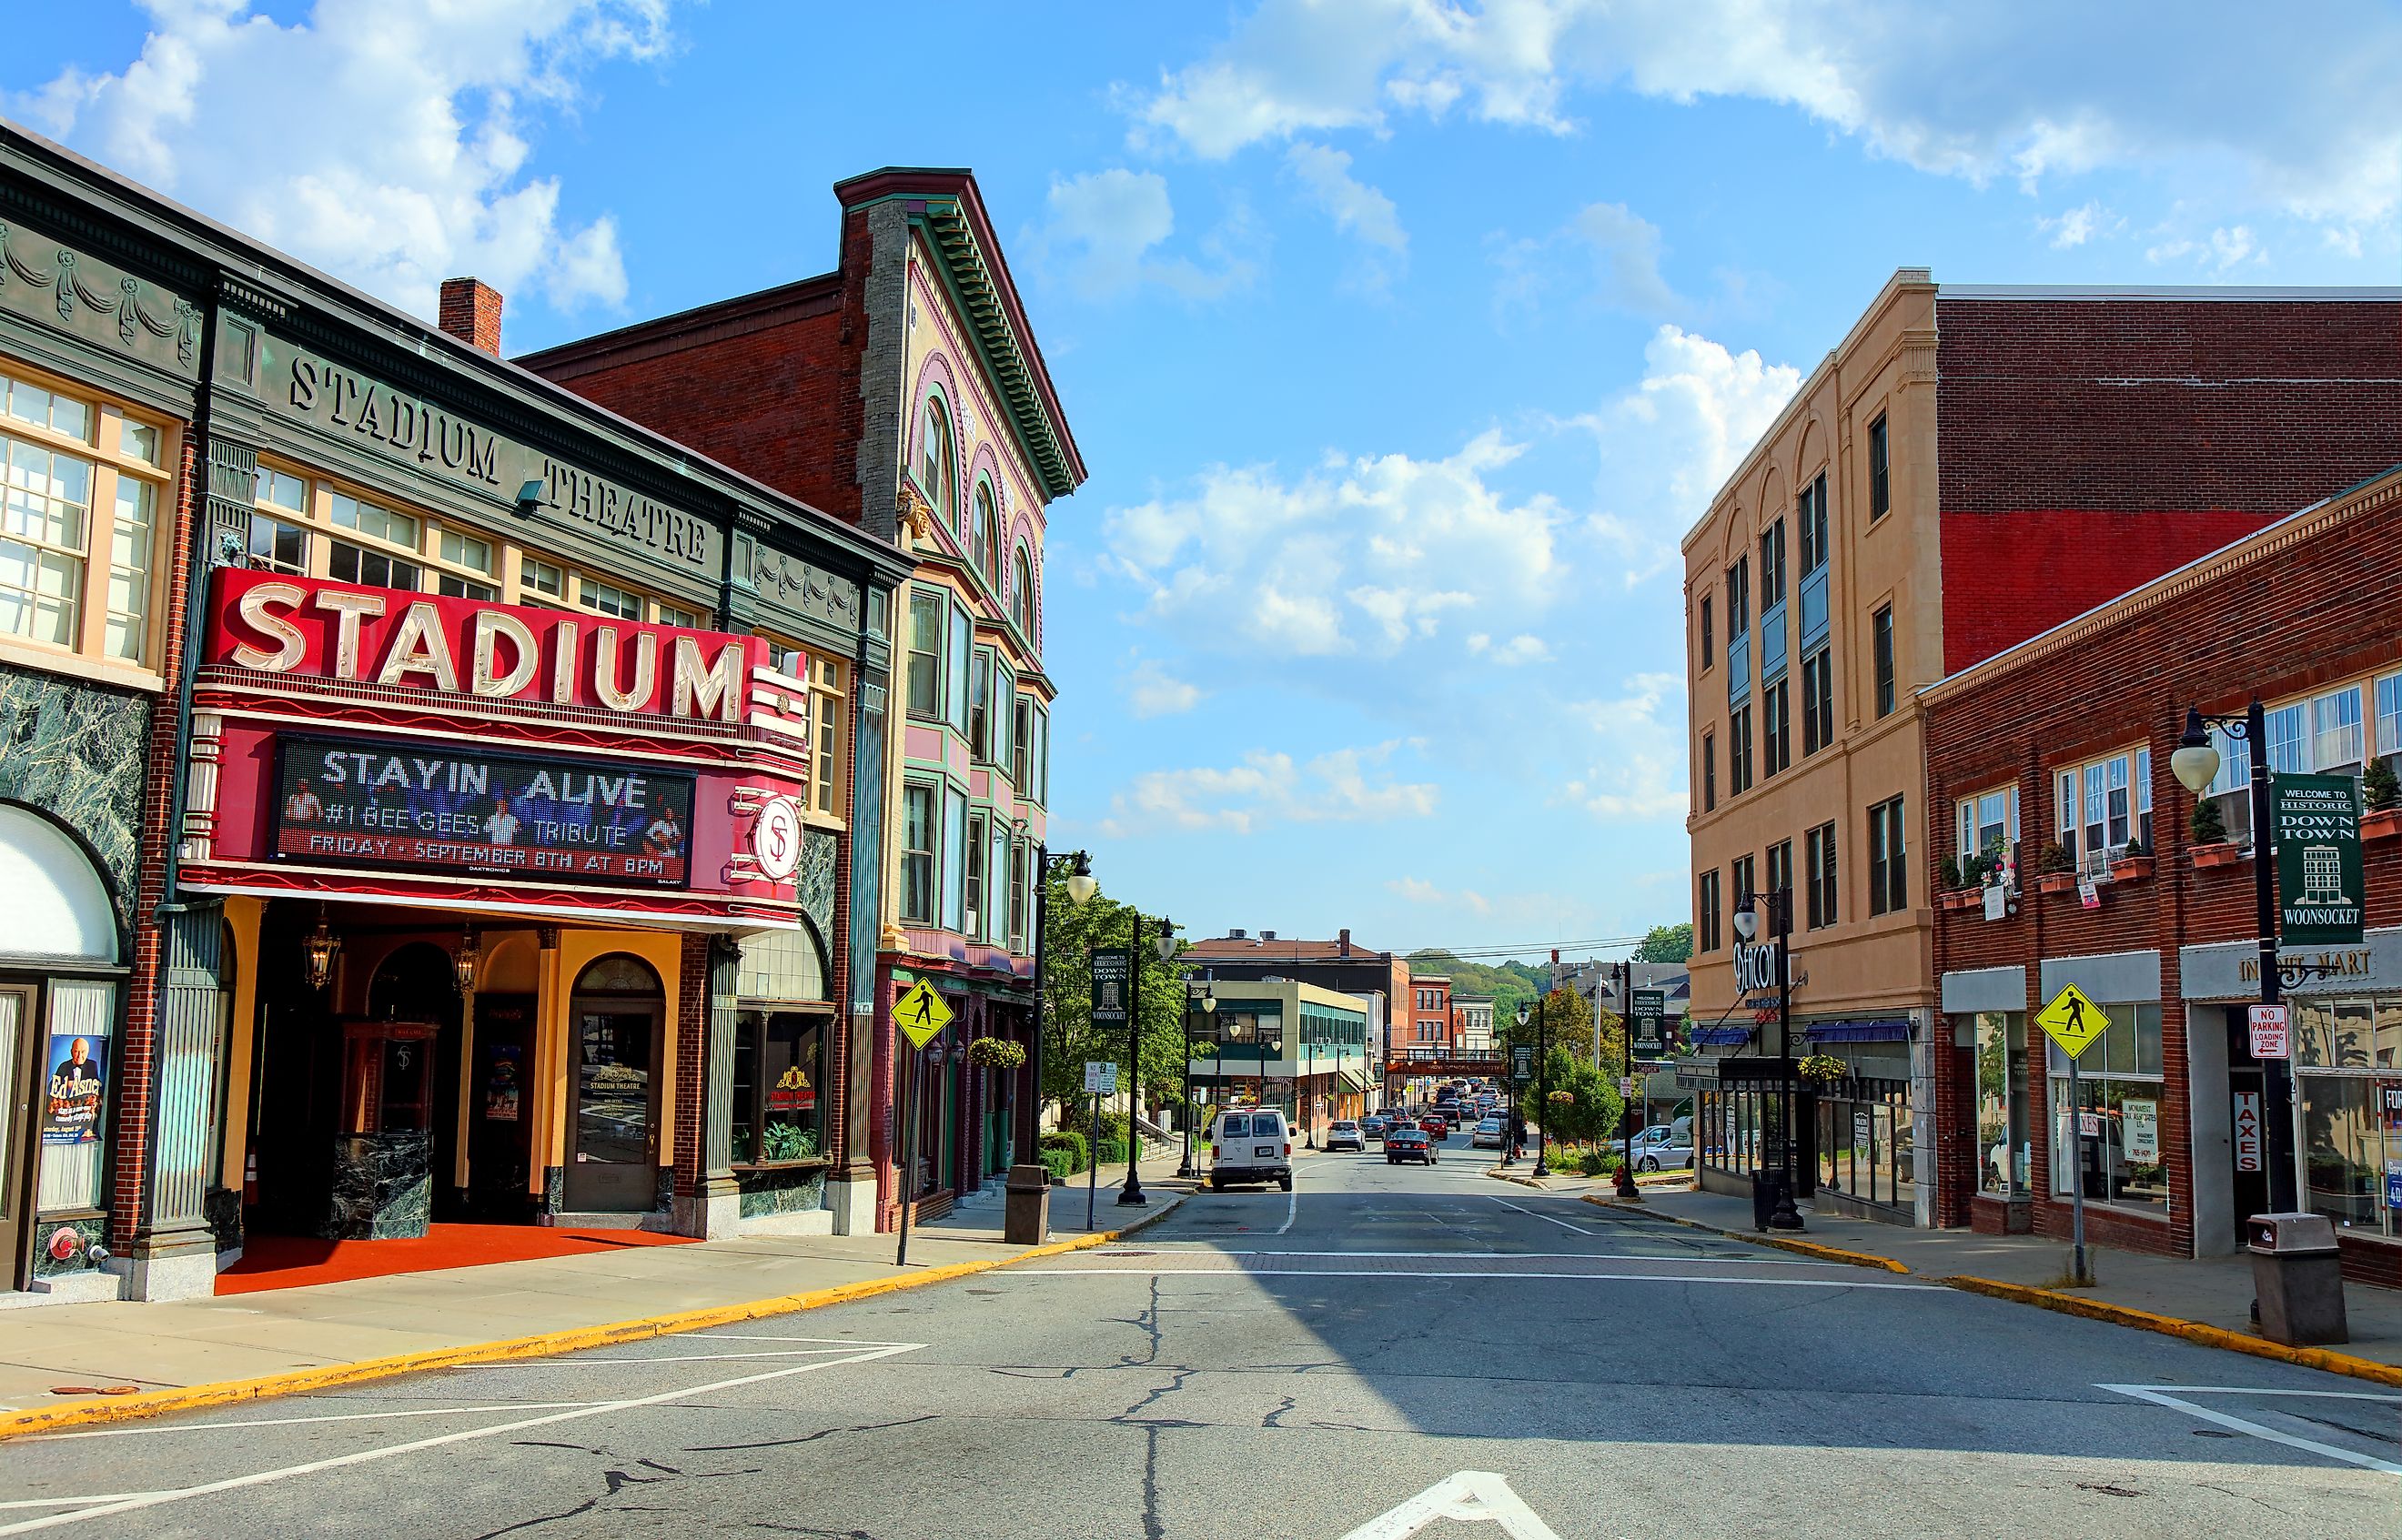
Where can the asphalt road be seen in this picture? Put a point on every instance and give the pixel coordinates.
(1259, 1366)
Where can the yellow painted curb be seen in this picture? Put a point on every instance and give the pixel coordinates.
(2191, 1331)
(1805, 1248)
(543, 1345)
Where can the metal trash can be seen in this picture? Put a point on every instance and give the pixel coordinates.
(1027, 1221)
(2298, 1278)
(1767, 1187)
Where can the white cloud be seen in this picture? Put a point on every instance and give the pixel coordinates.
(2224, 249)
(1639, 767)
(1344, 786)
(385, 143)
(2080, 224)
(1355, 206)
(1419, 890)
(2029, 92)
(1365, 556)
(1518, 649)
(1607, 254)
(1103, 227)
(1670, 442)
(1153, 691)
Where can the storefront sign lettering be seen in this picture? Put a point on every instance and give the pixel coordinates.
(279, 625)
(410, 431)
(1755, 967)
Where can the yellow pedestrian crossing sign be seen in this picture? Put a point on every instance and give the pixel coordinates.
(921, 1014)
(2072, 1021)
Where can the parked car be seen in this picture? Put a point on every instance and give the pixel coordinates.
(1486, 1134)
(1345, 1134)
(1660, 1147)
(1408, 1144)
(1436, 1126)
(1251, 1145)
(1373, 1126)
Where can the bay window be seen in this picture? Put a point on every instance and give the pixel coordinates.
(926, 612)
(918, 834)
(978, 841)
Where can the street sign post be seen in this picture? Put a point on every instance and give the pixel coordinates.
(920, 1015)
(1648, 1007)
(1100, 1080)
(2074, 1023)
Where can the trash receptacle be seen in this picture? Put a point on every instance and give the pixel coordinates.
(2298, 1278)
(1028, 1220)
(1767, 1190)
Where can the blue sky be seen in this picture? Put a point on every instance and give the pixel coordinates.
(1404, 340)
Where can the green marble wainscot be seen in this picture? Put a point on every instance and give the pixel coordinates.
(78, 752)
(815, 879)
(781, 1189)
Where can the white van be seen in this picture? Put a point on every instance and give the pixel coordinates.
(1250, 1144)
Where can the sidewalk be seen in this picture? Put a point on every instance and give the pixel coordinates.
(281, 1341)
(2210, 1292)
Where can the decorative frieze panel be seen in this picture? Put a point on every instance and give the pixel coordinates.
(47, 282)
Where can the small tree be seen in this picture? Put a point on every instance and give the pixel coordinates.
(2207, 826)
(2381, 785)
(1666, 944)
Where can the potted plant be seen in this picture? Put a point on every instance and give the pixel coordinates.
(997, 1054)
(2383, 790)
(2132, 862)
(2055, 869)
(1822, 1069)
(2210, 846)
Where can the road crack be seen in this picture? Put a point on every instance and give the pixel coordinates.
(808, 1439)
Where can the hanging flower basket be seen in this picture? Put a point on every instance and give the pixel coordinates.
(1564, 1098)
(997, 1054)
(1822, 1069)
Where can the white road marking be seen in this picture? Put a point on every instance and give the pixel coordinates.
(1472, 1496)
(144, 1430)
(1206, 1250)
(1545, 1218)
(582, 1359)
(85, 1501)
(361, 1457)
(1455, 1273)
(2274, 1435)
(1292, 1208)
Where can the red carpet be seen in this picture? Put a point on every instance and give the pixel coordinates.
(288, 1261)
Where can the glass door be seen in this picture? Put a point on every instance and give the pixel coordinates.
(18, 1129)
(614, 1155)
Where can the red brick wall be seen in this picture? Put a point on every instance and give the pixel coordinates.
(772, 392)
(2296, 619)
(691, 1042)
(2089, 446)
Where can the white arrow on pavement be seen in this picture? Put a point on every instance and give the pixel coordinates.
(1476, 1496)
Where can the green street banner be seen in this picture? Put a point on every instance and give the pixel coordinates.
(1112, 984)
(1648, 1005)
(2315, 822)
(1521, 1063)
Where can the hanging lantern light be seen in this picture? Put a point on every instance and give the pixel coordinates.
(465, 961)
(321, 947)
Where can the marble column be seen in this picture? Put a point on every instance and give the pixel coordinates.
(174, 1249)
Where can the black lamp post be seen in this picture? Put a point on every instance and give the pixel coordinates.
(1747, 924)
(1621, 974)
(1542, 1086)
(1207, 1001)
(2196, 765)
(1080, 887)
(1165, 945)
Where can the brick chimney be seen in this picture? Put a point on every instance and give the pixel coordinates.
(1344, 938)
(471, 311)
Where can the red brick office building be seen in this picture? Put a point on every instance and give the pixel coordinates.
(2065, 740)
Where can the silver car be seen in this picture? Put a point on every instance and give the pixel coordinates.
(1660, 1147)
(1487, 1135)
(1345, 1135)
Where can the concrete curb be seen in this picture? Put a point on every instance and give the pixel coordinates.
(1802, 1249)
(542, 1345)
(1500, 1176)
(2191, 1331)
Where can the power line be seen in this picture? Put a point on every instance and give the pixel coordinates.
(1466, 953)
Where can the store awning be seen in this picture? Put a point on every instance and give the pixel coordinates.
(1719, 1036)
(1892, 1029)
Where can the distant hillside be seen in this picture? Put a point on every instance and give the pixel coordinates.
(1508, 984)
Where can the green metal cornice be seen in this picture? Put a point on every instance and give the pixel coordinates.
(952, 235)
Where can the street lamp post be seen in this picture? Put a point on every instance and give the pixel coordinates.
(1165, 945)
(1207, 1000)
(2196, 765)
(1080, 887)
(1543, 1091)
(1747, 924)
(1623, 975)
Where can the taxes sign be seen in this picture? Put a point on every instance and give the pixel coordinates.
(2315, 821)
(2247, 1131)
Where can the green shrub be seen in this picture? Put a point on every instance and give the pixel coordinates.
(1060, 1163)
(1068, 1142)
(1113, 1126)
(1110, 1151)
(1597, 1163)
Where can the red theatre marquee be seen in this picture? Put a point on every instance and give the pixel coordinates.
(417, 748)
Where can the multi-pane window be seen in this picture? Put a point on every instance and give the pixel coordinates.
(1706, 913)
(1738, 582)
(1709, 771)
(1780, 868)
(1021, 594)
(1741, 872)
(935, 463)
(1709, 634)
(375, 565)
(977, 836)
(674, 614)
(541, 580)
(1021, 893)
(954, 681)
(2389, 715)
(980, 707)
(467, 567)
(607, 599)
(1819, 875)
(1889, 860)
(1739, 751)
(918, 853)
(1818, 700)
(927, 609)
(1021, 744)
(1880, 471)
(2289, 740)
(2336, 738)
(1041, 757)
(79, 511)
(1777, 728)
(2103, 805)
(1881, 627)
(1988, 826)
(1810, 515)
(1772, 566)
(987, 537)
(2120, 1081)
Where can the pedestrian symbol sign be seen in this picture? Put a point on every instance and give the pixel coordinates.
(2072, 1021)
(921, 1014)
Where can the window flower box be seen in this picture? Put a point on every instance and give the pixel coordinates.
(2383, 824)
(2056, 882)
(2130, 869)
(1964, 898)
(2225, 853)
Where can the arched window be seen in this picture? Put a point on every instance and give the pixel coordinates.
(987, 536)
(1021, 593)
(934, 464)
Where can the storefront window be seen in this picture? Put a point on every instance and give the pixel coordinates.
(2004, 1152)
(2349, 1109)
(778, 1068)
(2118, 1085)
(1868, 1133)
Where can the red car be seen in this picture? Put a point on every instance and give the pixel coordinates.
(1437, 1127)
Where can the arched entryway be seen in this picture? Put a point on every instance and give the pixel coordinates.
(616, 1018)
